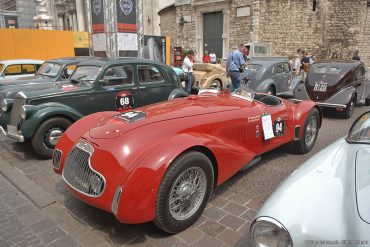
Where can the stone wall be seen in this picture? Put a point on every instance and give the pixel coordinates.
(186, 36)
(167, 25)
(334, 26)
(240, 27)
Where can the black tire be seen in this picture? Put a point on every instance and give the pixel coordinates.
(350, 108)
(178, 93)
(367, 101)
(40, 140)
(305, 144)
(271, 91)
(189, 161)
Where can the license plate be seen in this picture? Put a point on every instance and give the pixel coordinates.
(320, 86)
(12, 129)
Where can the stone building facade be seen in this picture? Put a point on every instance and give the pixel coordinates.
(318, 26)
(24, 10)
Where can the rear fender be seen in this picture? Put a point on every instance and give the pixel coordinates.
(264, 86)
(343, 97)
(302, 109)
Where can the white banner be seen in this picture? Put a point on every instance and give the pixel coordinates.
(127, 42)
(99, 42)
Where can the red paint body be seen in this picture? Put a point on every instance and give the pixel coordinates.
(136, 155)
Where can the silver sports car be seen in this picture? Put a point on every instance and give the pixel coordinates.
(326, 201)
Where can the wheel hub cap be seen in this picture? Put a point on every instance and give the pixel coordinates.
(311, 131)
(54, 136)
(187, 193)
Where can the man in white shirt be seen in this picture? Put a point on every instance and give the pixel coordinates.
(213, 57)
(187, 67)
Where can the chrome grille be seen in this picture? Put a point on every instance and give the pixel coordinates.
(57, 154)
(15, 116)
(79, 174)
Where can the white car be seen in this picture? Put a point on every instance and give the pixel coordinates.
(12, 69)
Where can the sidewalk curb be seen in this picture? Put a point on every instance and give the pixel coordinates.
(29, 188)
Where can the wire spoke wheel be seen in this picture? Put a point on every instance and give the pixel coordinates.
(311, 130)
(187, 193)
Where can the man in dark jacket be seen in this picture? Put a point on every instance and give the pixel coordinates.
(356, 56)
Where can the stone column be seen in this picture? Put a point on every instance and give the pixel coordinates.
(60, 21)
(80, 15)
(74, 21)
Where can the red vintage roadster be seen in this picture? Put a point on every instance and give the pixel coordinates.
(160, 162)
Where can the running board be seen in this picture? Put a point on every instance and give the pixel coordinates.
(252, 163)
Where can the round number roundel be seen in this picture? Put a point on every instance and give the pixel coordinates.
(124, 100)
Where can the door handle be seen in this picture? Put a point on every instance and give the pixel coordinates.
(142, 87)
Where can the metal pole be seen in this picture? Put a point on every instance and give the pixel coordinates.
(89, 28)
(140, 31)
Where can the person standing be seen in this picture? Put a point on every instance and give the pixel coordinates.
(187, 67)
(213, 57)
(356, 56)
(235, 66)
(206, 58)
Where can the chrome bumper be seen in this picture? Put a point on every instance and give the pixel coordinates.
(324, 104)
(19, 138)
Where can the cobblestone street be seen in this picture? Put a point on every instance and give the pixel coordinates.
(36, 209)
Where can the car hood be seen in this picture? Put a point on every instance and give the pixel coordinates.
(318, 200)
(363, 183)
(54, 89)
(26, 80)
(9, 91)
(173, 109)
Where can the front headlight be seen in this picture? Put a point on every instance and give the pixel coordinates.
(23, 113)
(267, 232)
(6, 104)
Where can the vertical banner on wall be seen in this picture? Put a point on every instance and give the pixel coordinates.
(127, 28)
(98, 30)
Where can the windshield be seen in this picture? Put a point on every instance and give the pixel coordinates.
(244, 92)
(50, 69)
(360, 130)
(86, 75)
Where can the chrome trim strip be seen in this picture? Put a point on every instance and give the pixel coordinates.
(296, 135)
(323, 104)
(115, 201)
(3, 131)
(60, 154)
(86, 147)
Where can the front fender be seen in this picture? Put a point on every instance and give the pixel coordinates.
(76, 130)
(264, 86)
(44, 112)
(139, 194)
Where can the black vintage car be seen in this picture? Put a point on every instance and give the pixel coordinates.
(42, 115)
(51, 71)
(339, 85)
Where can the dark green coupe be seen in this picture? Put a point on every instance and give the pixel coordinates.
(42, 115)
